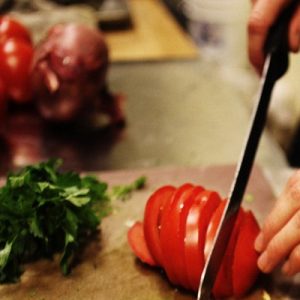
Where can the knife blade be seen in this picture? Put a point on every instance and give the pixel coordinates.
(276, 64)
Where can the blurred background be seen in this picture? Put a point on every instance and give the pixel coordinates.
(178, 89)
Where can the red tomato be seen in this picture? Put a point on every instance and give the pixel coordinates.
(199, 215)
(244, 270)
(184, 224)
(223, 286)
(10, 28)
(166, 246)
(138, 244)
(152, 219)
(15, 61)
(175, 228)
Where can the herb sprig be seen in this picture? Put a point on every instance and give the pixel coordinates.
(44, 211)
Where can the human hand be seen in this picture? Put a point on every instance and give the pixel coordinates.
(263, 15)
(279, 240)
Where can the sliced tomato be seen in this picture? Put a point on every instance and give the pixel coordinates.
(245, 270)
(152, 218)
(220, 289)
(11, 28)
(197, 220)
(137, 242)
(176, 223)
(167, 228)
(181, 226)
(212, 228)
(15, 62)
(224, 282)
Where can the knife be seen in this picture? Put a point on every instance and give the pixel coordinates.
(276, 64)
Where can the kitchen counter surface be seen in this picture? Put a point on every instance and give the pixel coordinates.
(179, 112)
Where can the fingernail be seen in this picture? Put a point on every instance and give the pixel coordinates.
(263, 263)
(259, 242)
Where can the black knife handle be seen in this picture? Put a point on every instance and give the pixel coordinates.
(277, 40)
(278, 34)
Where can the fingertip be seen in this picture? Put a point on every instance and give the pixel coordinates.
(295, 42)
(256, 60)
(286, 269)
(259, 243)
(256, 37)
(263, 263)
(294, 31)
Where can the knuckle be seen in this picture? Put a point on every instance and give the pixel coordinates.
(275, 249)
(269, 224)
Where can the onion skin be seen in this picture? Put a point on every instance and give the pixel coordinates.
(69, 71)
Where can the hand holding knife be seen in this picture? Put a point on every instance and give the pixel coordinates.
(276, 64)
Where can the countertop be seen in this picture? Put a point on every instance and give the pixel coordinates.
(179, 112)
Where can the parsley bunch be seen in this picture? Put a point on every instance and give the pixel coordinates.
(44, 211)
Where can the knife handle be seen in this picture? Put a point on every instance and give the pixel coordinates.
(278, 35)
(277, 42)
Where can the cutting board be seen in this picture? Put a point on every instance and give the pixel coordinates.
(154, 35)
(107, 269)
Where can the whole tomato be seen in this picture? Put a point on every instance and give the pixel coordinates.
(15, 62)
(10, 28)
(16, 53)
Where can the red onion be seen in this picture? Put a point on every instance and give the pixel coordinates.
(69, 73)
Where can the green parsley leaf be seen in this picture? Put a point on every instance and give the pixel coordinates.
(122, 192)
(44, 211)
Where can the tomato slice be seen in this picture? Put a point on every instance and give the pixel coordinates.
(152, 219)
(223, 286)
(212, 228)
(167, 229)
(137, 243)
(15, 62)
(11, 28)
(197, 220)
(245, 270)
(177, 219)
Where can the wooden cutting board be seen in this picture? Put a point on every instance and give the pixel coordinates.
(107, 268)
(154, 35)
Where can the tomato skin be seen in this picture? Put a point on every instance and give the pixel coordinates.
(176, 233)
(152, 220)
(11, 28)
(197, 220)
(183, 226)
(166, 227)
(15, 62)
(244, 270)
(224, 282)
